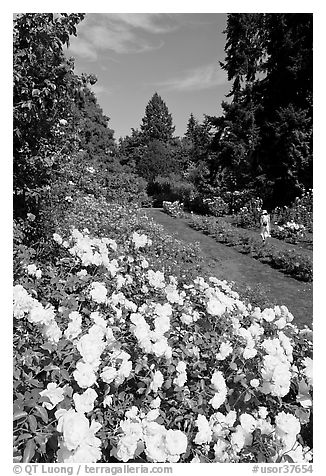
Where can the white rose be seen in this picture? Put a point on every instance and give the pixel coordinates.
(31, 269)
(248, 422)
(84, 403)
(268, 314)
(74, 426)
(108, 374)
(157, 381)
(176, 442)
(54, 394)
(84, 375)
(98, 292)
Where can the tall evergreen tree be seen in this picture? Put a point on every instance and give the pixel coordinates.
(264, 138)
(286, 126)
(96, 138)
(191, 128)
(157, 122)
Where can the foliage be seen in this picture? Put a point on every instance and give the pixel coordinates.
(171, 188)
(44, 89)
(249, 215)
(263, 140)
(125, 188)
(157, 123)
(174, 209)
(115, 362)
(215, 206)
(197, 139)
(291, 232)
(95, 137)
(157, 159)
(300, 211)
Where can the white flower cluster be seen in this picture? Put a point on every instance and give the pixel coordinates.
(90, 347)
(74, 325)
(78, 443)
(229, 439)
(276, 371)
(291, 225)
(153, 341)
(174, 209)
(181, 378)
(120, 368)
(54, 393)
(220, 388)
(140, 241)
(93, 251)
(33, 271)
(24, 304)
(156, 279)
(140, 432)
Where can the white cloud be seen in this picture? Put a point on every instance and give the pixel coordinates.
(202, 77)
(151, 22)
(80, 47)
(120, 32)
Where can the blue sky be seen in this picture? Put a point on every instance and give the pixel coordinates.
(135, 54)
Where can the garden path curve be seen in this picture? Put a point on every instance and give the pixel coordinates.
(225, 262)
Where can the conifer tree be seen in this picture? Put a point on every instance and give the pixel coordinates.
(157, 122)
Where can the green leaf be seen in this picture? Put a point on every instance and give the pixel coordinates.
(29, 451)
(65, 374)
(23, 436)
(32, 423)
(19, 414)
(43, 413)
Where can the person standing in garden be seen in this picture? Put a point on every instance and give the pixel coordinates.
(265, 225)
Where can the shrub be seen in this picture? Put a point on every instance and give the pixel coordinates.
(290, 231)
(45, 88)
(301, 211)
(156, 159)
(248, 216)
(216, 206)
(172, 188)
(237, 199)
(174, 209)
(125, 188)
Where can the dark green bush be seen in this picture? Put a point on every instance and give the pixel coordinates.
(171, 189)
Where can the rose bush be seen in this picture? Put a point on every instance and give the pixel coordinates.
(116, 361)
(174, 209)
(290, 231)
(300, 211)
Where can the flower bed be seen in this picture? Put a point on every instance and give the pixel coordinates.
(249, 215)
(174, 209)
(115, 361)
(301, 211)
(298, 265)
(290, 231)
(102, 219)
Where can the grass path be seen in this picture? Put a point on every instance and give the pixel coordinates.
(225, 262)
